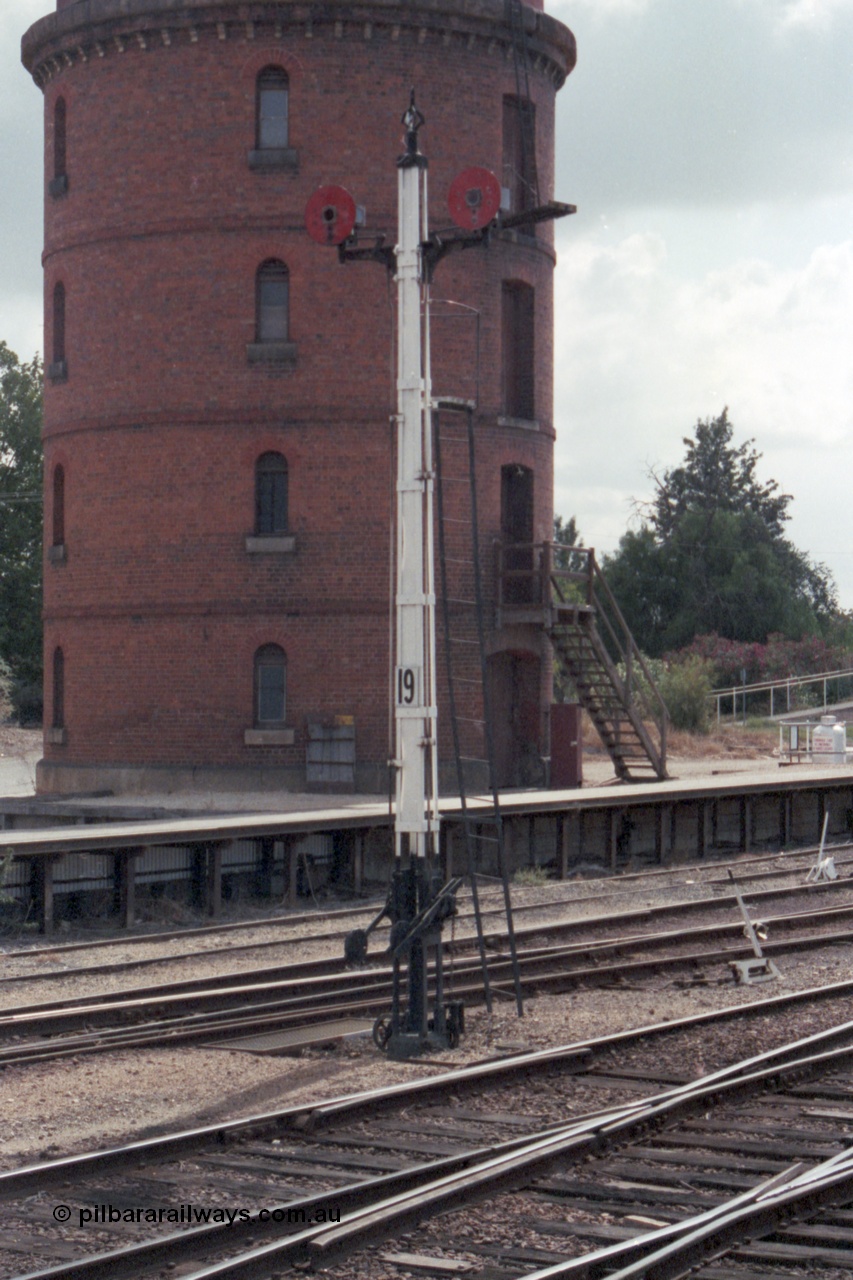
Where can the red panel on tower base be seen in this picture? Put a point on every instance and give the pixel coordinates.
(566, 746)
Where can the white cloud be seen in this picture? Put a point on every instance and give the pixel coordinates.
(813, 13)
(642, 352)
(711, 102)
(791, 13)
(564, 9)
(21, 321)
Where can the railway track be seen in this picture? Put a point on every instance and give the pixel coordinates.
(752, 871)
(281, 997)
(591, 1159)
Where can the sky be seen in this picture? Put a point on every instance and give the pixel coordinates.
(708, 145)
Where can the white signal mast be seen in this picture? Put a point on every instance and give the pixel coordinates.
(415, 696)
(417, 903)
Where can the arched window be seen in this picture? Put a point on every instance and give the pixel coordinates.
(272, 101)
(519, 154)
(270, 686)
(58, 322)
(60, 178)
(272, 302)
(519, 356)
(270, 494)
(58, 721)
(58, 506)
(520, 583)
(58, 368)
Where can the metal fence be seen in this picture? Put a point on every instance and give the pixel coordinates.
(779, 693)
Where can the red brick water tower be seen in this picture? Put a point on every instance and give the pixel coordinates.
(219, 479)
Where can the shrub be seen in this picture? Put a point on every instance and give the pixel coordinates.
(27, 703)
(684, 687)
(775, 660)
(531, 876)
(6, 682)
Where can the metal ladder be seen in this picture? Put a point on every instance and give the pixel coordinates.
(454, 610)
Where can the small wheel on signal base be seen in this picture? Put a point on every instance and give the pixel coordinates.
(381, 1033)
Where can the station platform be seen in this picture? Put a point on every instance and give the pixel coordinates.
(268, 845)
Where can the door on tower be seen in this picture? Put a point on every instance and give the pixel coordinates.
(514, 687)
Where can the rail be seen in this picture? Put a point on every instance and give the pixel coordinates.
(547, 576)
(784, 685)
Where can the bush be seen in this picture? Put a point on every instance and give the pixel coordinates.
(775, 660)
(531, 876)
(685, 688)
(6, 682)
(27, 704)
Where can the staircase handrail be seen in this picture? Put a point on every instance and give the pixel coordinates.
(532, 573)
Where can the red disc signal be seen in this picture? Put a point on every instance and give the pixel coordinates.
(330, 215)
(474, 198)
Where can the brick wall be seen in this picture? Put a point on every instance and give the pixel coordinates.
(156, 602)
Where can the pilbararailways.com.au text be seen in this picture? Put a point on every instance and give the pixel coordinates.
(193, 1215)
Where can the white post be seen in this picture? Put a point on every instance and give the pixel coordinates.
(414, 684)
(429, 538)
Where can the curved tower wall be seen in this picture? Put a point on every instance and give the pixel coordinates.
(160, 591)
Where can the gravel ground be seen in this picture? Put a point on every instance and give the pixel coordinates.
(107, 1098)
(20, 751)
(102, 1099)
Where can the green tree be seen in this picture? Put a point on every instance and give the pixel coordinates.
(20, 516)
(711, 554)
(715, 476)
(566, 544)
(565, 539)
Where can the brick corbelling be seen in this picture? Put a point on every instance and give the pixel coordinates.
(290, 223)
(321, 419)
(117, 28)
(151, 610)
(202, 366)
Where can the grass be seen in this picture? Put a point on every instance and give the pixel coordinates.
(531, 877)
(753, 741)
(750, 742)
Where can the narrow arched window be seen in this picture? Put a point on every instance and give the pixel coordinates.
(59, 141)
(58, 721)
(58, 322)
(519, 354)
(270, 686)
(272, 102)
(270, 494)
(57, 370)
(519, 154)
(272, 302)
(58, 506)
(520, 583)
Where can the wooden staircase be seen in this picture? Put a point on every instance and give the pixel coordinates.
(603, 694)
(572, 601)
